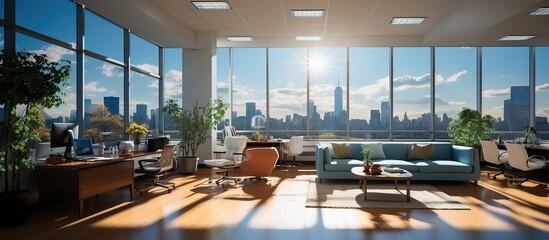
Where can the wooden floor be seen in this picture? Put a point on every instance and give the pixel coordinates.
(276, 210)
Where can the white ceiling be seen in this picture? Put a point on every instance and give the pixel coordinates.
(173, 23)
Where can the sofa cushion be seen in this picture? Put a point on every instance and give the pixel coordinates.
(411, 167)
(442, 166)
(441, 150)
(342, 164)
(394, 150)
(377, 153)
(420, 152)
(341, 150)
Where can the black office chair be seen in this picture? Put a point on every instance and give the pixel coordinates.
(157, 167)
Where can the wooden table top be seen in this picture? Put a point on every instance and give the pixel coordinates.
(359, 172)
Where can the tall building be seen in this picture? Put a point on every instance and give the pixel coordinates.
(88, 105)
(385, 114)
(113, 105)
(140, 116)
(374, 119)
(516, 110)
(250, 110)
(338, 100)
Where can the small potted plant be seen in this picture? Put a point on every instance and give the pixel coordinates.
(256, 135)
(366, 161)
(136, 131)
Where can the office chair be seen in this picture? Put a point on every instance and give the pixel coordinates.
(260, 162)
(157, 167)
(494, 156)
(234, 150)
(230, 131)
(520, 163)
(293, 148)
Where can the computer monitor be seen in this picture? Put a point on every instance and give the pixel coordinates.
(83, 147)
(62, 135)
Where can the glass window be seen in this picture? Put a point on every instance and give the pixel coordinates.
(505, 87)
(369, 107)
(173, 81)
(104, 37)
(144, 100)
(328, 92)
(2, 9)
(411, 90)
(55, 18)
(144, 55)
(542, 92)
(223, 87)
(455, 84)
(103, 100)
(1, 37)
(249, 88)
(66, 112)
(287, 91)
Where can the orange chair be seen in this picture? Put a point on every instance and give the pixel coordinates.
(260, 162)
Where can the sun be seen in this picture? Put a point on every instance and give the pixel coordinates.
(317, 63)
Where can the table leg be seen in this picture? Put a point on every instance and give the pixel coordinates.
(407, 190)
(81, 207)
(131, 191)
(365, 189)
(360, 182)
(396, 184)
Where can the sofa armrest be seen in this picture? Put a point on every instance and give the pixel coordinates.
(322, 155)
(467, 155)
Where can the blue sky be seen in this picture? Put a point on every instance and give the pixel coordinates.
(455, 74)
(57, 19)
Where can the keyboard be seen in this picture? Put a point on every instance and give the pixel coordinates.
(94, 158)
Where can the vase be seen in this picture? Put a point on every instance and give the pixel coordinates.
(136, 147)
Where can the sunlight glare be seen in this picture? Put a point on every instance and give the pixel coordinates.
(317, 63)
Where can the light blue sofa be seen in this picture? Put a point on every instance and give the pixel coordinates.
(446, 162)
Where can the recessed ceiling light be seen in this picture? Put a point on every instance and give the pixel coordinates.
(515, 38)
(308, 13)
(542, 11)
(239, 39)
(202, 5)
(407, 20)
(308, 38)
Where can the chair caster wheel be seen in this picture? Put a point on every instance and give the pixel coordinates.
(169, 190)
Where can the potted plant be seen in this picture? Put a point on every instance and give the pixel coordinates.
(29, 81)
(195, 127)
(256, 135)
(469, 127)
(136, 131)
(367, 155)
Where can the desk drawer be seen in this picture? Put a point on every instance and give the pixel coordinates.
(105, 177)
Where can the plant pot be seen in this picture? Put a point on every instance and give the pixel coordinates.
(187, 164)
(13, 207)
(375, 169)
(366, 168)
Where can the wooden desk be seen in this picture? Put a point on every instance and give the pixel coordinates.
(255, 144)
(79, 179)
(533, 150)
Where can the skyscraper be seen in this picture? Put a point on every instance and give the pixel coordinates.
(140, 114)
(374, 119)
(516, 110)
(385, 115)
(250, 110)
(338, 100)
(112, 104)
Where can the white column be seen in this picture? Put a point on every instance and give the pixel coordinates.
(199, 78)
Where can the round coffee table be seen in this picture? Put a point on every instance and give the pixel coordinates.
(364, 177)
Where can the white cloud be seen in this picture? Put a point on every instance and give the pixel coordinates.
(456, 76)
(148, 67)
(173, 87)
(408, 82)
(93, 87)
(542, 111)
(543, 87)
(54, 53)
(496, 92)
(110, 70)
